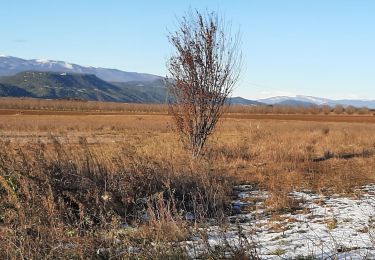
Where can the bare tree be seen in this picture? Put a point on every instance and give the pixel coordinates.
(204, 70)
(363, 110)
(338, 109)
(326, 109)
(350, 110)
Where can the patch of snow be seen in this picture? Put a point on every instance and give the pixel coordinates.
(68, 65)
(274, 99)
(310, 99)
(43, 61)
(315, 100)
(326, 227)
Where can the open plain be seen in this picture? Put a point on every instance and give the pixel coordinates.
(104, 176)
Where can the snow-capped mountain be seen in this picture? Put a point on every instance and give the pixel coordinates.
(301, 98)
(12, 65)
(309, 100)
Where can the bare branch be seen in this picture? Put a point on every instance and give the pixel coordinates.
(205, 68)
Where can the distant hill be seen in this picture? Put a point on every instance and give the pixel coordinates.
(151, 91)
(55, 85)
(243, 101)
(309, 100)
(46, 79)
(67, 85)
(295, 103)
(10, 66)
(299, 98)
(62, 85)
(13, 91)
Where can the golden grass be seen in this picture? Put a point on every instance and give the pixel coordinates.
(265, 151)
(62, 176)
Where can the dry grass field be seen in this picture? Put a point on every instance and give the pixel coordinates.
(69, 179)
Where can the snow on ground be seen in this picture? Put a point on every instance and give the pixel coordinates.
(325, 227)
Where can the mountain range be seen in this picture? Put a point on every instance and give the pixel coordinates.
(300, 100)
(12, 65)
(59, 79)
(58, 85)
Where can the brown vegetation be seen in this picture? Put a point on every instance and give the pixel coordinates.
(65, 199)
(68, 182)
(37, 106)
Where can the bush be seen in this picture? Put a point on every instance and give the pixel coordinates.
(350, 110)
(62, 200)
(338, 109)
(326, 109)
(363, 111)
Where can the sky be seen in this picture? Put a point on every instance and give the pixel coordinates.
(323, 48)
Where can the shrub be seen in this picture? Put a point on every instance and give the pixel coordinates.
(63, 200)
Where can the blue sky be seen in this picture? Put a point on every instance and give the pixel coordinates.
(322, 48)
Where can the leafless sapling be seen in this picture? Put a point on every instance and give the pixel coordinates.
(203, 70)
